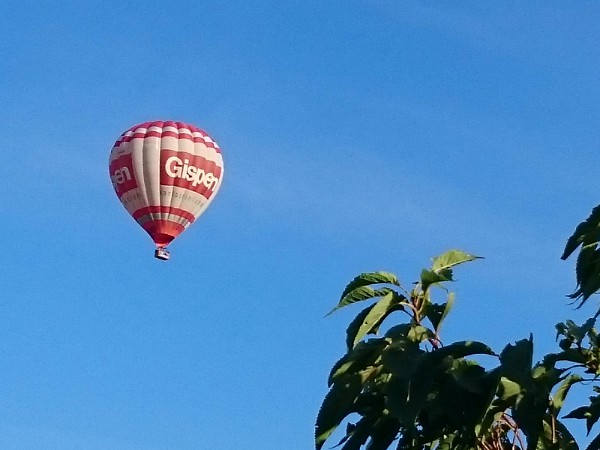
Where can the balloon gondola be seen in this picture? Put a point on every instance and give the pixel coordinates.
(165, 174)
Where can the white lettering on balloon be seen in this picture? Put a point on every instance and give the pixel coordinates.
(120, 176)
(176, 168)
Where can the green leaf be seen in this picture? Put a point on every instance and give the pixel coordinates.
(396, 398)
(462, 349)
(430, 278)
(367, 279)
(376, 315)
(586, 232)
(450, 259)
(492, 415)
(516, 361)
(446, 443)
(336, 406)
(555, 436)
(360, 433)
(566, 441)
(407, 402)
(508, 390)
(562, 391)
(360, 294)
(441, 270)
(401, 358)
(573, 355)
(591, 413)
(574, 332)
(436, 313)
(418, 334)
(355, 325)
(383, 434)
(578, 413)
(358, 359)
(468, 375)
(587, 268)
(399, 332)
(529, 412)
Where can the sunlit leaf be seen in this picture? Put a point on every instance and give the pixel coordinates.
(375, 316)
(508, 389)
(356, 360)
(367, 279)
(450, 259)
(355, 325)
(561, 393)
(360, 294)
(441, 270)
(418, 334)
(429, 277)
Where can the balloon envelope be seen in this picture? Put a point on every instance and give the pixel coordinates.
(165, 174)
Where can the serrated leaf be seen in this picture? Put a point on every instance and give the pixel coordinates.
(441, 270)
(388, 304)
(336, 406)
(355, 325)
(360, 294)
(363, 355)
(367, 279)
(450, 259)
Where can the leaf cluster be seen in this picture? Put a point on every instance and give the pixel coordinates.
(587, 269)
(405, 389)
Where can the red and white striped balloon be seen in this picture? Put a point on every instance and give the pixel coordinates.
(165, 174)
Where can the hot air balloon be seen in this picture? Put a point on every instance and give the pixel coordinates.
(165, 175)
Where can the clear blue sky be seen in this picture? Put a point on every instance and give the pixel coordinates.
(357, 136)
